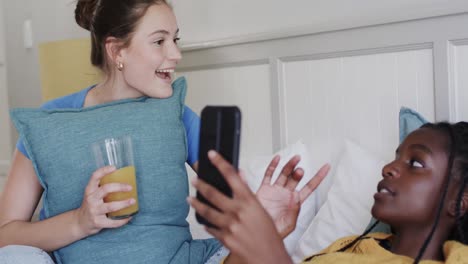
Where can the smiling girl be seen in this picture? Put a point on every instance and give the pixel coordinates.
(134, 43)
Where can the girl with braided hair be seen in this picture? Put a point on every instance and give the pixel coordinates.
(423, 196)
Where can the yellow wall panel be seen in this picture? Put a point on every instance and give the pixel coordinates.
(65, 67)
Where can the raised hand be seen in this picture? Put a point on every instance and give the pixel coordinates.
(91, 215)
(280, 199)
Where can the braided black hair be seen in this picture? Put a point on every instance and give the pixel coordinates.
(444, 127)
(461, 168)
(457, 167)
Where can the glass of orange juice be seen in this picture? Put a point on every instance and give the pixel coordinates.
(118, 152)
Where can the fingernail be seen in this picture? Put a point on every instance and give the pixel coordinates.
(128, 187)
(211, 154)
(132, 201)
(189, 200)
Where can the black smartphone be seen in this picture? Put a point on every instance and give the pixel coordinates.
(220, 130)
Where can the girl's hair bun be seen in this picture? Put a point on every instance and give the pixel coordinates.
(84, 13)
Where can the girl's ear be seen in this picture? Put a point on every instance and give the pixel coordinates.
(464, 204)
(113, 50)
(452, 210)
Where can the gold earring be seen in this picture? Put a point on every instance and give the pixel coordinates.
(120, 66)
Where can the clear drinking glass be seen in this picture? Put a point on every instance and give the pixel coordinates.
(118, 152)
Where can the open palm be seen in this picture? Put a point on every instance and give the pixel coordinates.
(280, 199)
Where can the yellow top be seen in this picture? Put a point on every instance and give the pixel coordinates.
(368, 250)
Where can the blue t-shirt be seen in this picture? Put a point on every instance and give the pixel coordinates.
(76, 100)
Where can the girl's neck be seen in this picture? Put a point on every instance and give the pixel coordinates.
(110, 90)
(408, 242)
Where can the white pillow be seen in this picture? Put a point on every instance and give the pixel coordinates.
(347, 208)
(255, 170)
(197, 230)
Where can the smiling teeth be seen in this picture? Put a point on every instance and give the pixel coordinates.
(168, 71)
(384, 191)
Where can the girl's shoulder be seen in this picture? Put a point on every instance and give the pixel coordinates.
(74, 100)
(455, 252)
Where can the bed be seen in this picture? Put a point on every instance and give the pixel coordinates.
(333, 97)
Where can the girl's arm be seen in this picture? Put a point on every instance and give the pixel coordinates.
(21, 195)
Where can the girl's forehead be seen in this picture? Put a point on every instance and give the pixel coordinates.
(157, 17)
(432, 139)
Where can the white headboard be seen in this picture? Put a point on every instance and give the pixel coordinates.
(324, 88)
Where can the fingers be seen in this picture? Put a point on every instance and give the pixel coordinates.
(107, 188)
(287, 170)
(218, 234)
(271, 169)
(209, 213)
(230, 174)
(295, 178)
(93, 183)
(215, 197)
(314, 182)
(115, 206)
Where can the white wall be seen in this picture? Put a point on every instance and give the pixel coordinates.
(51, 20)
(5, 143)
(460, 81)
(202, 22)
(326, 101)
(22, 69)
(351, 83)
(208, 20)
(247, 87)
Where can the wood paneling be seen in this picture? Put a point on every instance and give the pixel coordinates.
(460, 82)
(356, 98)
(245, 86)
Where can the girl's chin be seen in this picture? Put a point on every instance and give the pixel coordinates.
(376, 212)
(161, 92)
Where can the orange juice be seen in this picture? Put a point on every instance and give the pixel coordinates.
(123, 175)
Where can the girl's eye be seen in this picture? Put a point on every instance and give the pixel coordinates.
(415, 163)
(176, 40)
(159, 42)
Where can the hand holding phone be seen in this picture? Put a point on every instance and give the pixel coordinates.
(220, 131)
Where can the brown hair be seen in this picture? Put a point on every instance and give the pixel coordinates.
(110, 18)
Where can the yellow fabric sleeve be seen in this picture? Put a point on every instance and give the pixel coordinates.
(369, 251)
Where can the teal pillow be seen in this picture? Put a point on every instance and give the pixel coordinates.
(409, 120)
(58, 143)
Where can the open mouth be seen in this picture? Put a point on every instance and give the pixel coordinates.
(164, 74)
(385, 190)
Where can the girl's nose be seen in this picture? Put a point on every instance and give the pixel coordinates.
(391, 170)
(173, 53)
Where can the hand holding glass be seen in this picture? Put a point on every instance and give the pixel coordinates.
(118, 152)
